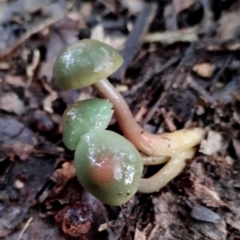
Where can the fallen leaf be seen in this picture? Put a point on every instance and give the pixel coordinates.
(213, 144)
(56, 41)
(204, 69)
(229, 25)
(11, 218)
(14, 80)
(22, 150)
(23, 14)
(43, 121)
(139, 235)
(12, 131)
(207, 196)
(10, 102)
(42, 230)
(62, 176)
(4, 65)
(204, 214)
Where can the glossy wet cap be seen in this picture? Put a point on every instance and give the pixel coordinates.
(84, 116)
(84, 63)
(108, 166)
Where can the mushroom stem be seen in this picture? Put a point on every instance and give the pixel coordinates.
(154, 160)
(166, 144)
(173, 168)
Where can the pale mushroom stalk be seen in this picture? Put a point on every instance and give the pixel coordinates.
(172, 169)
(166, 144)
(154, 160)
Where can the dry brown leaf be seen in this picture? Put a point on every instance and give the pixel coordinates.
(14, 80)
(22, 12)
(42, 230)
(4, 65)
(22, 150)
(207, 196)
(213, 144)
(234, 222)
(204, 69)
(62, 176)
(56, 41)
(12, 130)
(139, 235)
(8, 216)
(229, 25)
(10, 102)
(201, 213)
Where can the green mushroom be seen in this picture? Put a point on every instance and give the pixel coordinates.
(84, 116)
(90, 62)
(84, 63)
(108, 166)
(102, 155)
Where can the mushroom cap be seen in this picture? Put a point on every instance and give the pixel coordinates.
(84, 63)
(84, 116)
(108, 166)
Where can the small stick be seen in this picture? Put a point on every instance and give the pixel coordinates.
(135, 38)
(25, 228)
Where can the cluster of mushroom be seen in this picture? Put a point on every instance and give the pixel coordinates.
(109, 165)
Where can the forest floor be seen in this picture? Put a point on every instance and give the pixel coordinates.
(181, 70)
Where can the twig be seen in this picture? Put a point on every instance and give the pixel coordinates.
(208, 21)
(220, 72)
(170, 37)
(27, 35)
(201, 92)
(135, 38)
(187, 54)
(148, 77)
(24, 228)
